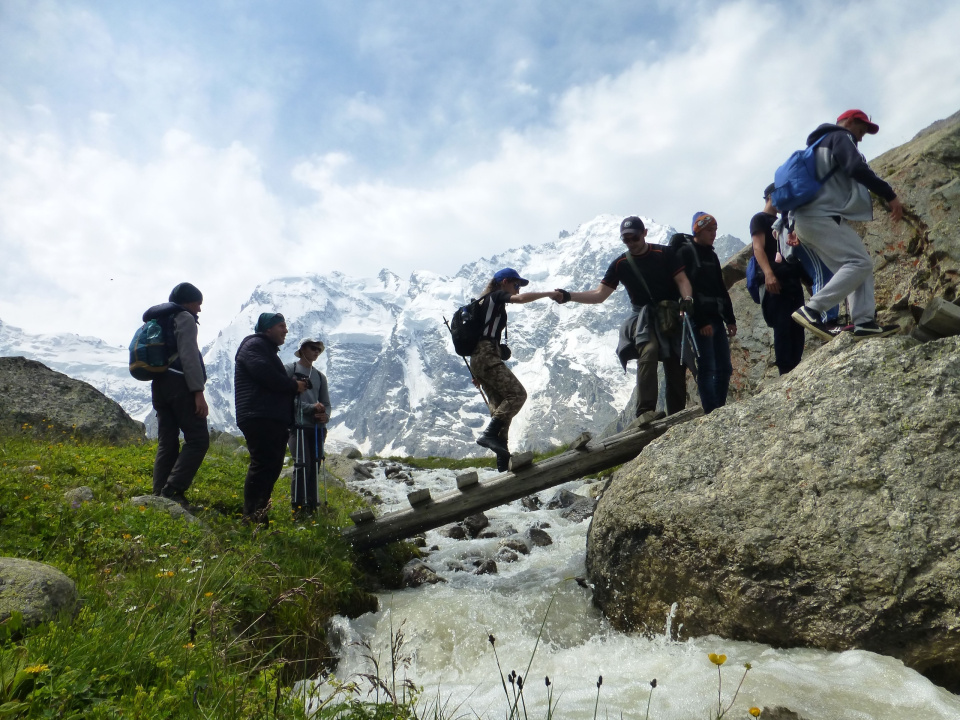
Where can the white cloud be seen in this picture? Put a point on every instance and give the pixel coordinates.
(94, 236)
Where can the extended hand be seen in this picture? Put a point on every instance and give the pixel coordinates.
(564, 296)
(896, 210)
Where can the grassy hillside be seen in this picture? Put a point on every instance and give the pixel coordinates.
(211, 619)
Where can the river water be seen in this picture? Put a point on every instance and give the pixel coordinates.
(446, 629)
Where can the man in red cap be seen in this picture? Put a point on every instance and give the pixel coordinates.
(822, 225)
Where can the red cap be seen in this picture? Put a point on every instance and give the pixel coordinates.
(872, 128)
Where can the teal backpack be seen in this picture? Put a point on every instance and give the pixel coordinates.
(150, 350)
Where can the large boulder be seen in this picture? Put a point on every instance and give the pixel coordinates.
(50, 404)
(37, 591)
(823, 512)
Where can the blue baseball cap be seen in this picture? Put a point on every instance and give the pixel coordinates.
(510, 274)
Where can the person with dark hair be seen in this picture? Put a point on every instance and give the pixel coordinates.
(177, 396)
(782, 292)
(712, 313)
(311, 413)
(659, 291)
(263, 395)
(505, 394)
(822, 225)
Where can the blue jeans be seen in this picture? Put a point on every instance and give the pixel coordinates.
(714, 367)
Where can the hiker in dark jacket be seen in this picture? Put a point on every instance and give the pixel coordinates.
(263, 396)
(782, 292)
(505, 394)
(653, 275)
(177, 396)
(823, 225)
(712, 313)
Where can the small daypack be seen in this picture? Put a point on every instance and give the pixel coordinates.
(683, 242)
(755, 279)
(796, 182)
(466, 327)
(151, 351)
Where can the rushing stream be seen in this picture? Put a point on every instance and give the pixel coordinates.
(446, 629)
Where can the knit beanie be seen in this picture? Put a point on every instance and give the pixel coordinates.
(185, 293)
(267, 321)
(701, 221)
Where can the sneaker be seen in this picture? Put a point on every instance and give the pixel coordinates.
(871, 329)
(810, 319)
(836, 329)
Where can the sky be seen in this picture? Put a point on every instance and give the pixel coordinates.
(229, 142)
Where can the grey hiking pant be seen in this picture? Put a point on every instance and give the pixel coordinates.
(842, 250)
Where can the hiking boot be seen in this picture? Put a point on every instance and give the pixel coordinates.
(503, 462)
(810, 319)
(645, 418)
(490, 438)
(179, 498)
(871, 329)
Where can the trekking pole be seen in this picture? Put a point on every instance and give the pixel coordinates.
(688, 329)
(299, 462)
(472, 377)
(318, 460)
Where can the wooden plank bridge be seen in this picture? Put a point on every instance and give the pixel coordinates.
(586, 456)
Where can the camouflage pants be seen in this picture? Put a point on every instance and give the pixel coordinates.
(505, 394)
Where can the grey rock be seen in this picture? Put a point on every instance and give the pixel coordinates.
(79, 495)
(530, 502)
(779, 713)
(53, 405)
(562, 499)
(37, 591)
(417, 573)
(580, 510)
(163, 504)
(507, 555)
(363, 471)
(455, 531)
(515, 544)
(225, 442)
(487, 566)
(352, 453)
(473, 524)
(455, 566)
(419, 541)
(823, 512)
(538, 537)
(242, 451)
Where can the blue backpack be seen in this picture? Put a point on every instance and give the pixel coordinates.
(153, 348)
(755, 279)
(796, 182)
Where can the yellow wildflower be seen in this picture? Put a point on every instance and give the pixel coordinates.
(127, 536)
(34, 669)
(755, 711)
(189, 646)
(208, 594)
(717, 659)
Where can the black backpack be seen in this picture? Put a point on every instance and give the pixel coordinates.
(466, 328)
(682, 243)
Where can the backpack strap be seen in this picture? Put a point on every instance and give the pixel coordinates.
(636, 270)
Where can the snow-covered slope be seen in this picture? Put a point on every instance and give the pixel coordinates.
(396, 385)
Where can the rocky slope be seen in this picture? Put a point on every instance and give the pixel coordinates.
(824, 512)
(48, 403)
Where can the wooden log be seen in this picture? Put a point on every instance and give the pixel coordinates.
(419, 497)
(942, 318)
(519, 461)
(468, 480)
(362, 516)
(582, 441)
(456, 505)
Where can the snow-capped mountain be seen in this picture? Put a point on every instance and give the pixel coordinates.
(395, 383)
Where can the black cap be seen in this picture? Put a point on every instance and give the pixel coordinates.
(632, 224)
(185, 293)
(769, 190)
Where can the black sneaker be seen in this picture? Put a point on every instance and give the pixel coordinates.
(810, 319)
(871, 329)
(179, 498)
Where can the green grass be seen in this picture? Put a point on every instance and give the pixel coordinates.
(211, 620)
